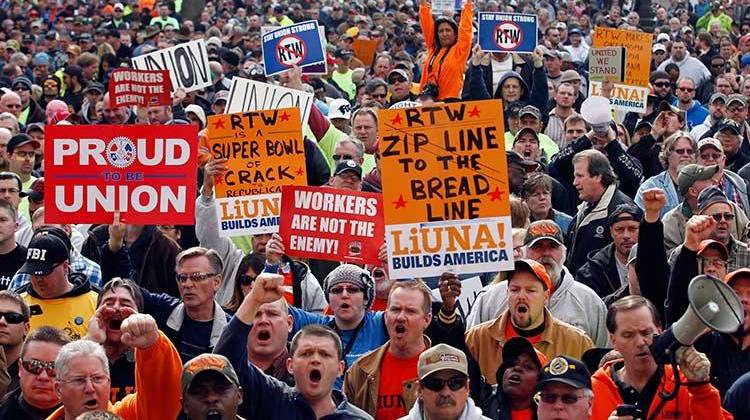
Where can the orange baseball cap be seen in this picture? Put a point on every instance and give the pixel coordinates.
(534, 268)
(736, 274)
(710, 243)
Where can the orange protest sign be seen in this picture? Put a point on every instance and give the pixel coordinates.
(365, 50)
(445, 189)
(265, 151)
(638, 51)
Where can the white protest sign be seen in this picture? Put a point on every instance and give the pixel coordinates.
(624, 97)
(470, 289)
(187, 65)
(248, 95)
(440, 6)
(607, 63)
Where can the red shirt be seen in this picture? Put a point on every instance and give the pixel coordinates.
(393, 373)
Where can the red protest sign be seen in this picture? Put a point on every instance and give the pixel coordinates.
(140, 87)
(332, 224)
(148, 175)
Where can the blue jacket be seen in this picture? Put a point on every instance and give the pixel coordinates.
(266, 397)
(695, 115)
(664, 182)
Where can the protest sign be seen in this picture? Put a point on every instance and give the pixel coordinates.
(148, 175)
(187, 65)
(629, 95)
(332, 224)
(624, 97)
(607, 63)
(312, 69)
(445, 189)
(293, 45)
(249, 95)
(503, 32)
(442, 6)
(365, 50)
(265, 151)
(140, 87)
(471, 288)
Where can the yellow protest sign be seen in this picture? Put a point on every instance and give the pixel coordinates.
(638, 51)
(445, 189)
(265, 151)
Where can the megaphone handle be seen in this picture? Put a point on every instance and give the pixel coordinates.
(666, 396)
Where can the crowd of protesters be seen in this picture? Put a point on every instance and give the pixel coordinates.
(609, 226)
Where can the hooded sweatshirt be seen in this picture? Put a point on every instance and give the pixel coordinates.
(471, 412)
(70, 312)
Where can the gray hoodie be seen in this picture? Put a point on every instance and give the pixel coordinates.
(207, 231)
(571, 302)
(471, 412)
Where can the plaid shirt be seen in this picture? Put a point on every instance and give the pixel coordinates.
(78, 264)
(739, 255)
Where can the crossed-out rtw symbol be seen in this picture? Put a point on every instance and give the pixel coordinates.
(291, 50)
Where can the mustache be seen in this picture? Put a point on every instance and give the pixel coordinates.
(446, 400)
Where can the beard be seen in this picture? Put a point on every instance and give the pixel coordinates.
(554, 268)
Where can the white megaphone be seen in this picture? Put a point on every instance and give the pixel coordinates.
(596, 111)
(713, 306)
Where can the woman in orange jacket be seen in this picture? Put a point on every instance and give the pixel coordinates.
(448, 49)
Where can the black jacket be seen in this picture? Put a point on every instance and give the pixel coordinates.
(651, 264)
(647, 152)
(535, 93)
(14, 407)
(600, 272)
(318, 171)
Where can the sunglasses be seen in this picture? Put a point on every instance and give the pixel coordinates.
(662, 84)
(379, 95)
(36, 366)
(246, 280)
(349, 290)
(436, 384)
(683, 151)
(726, 216)
(567, 399)
(340, 157)
(12, 317)
(196, 277)
(686, 89)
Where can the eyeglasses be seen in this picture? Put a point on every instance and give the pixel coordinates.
(662, 84)
(683, 151)
(712, 156)
(36, 366)
(246, 280)
(436, 384)
(379, 95)
(735, 108)
(349, 290)
(716, 262)
(81, 381)
(340, 157)
(395, 80)
(12, 317)
(9, 190)
(196, 277)
(686, 89)
(567, 399)
(727, 216)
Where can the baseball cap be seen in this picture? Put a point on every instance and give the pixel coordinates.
(442, 357)
(339, 53)
(221, 95)
(736, 97)
(35, 191)
(22, 80)
(716, 96)
(526, 130)
(710, 243)
(561, 26)
(643, 124)
(566, 370)
(575, 31)
(339, 108)
(208, 362)
(19, 140)
(547, 52)
(710, 196)
(543, 229)
(517, 346)
(625, 212)
(513, 157)
(736, 274)
(213, 42)
(348, 165)
(400, 72)
(666, 106)
(691, 173)
(530, 110)
(534, 268)
(730, 125)
(34, 127)
(659, 47)
(662, 37)
(44, 253)
(118, 6)
(710, 142)
(569, 76)
(95, 86)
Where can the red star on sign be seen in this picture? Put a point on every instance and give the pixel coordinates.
(219, 123)
(400, 202)
(396, 120)
(496, 195)
(300, 172)
(474, 112)
(284, 116)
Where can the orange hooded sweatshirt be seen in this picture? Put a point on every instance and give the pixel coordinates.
(693, 402)
(449, 76)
